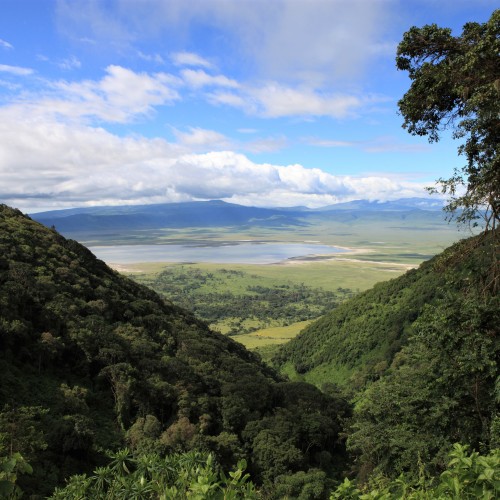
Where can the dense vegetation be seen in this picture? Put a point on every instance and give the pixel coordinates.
(196, 475)
(92, 361)
(212, 296)
(418, 355)
(110, 391)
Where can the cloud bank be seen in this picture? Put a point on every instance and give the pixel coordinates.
(45, 163)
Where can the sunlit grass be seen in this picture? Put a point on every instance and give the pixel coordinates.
(271, 336)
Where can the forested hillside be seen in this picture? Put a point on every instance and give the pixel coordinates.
(357, 341)
(92, 361)
(418, 355)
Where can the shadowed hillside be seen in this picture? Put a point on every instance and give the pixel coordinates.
(92, 361)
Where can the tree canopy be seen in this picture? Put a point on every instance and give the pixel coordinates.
(456, 85)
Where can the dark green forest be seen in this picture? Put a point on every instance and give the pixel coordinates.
(92, 362)
(96, 367)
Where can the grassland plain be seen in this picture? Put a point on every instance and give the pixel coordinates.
(379, 249)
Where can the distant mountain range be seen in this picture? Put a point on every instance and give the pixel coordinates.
(395, 205)
(215, 213)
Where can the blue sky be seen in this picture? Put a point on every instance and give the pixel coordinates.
(258, 102)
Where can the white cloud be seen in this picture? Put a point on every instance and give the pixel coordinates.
(314, 40)
(5, 44)
(94, 23)
(273, 100)
(276, 100)
(119, 97)
(156, 58)
(190, 59)
(319, 40)
(45, 163)
(266, 144)
(16, 70)
(202, 139)
(199, 78)
(10, 86)
(229, 99)
(382, 144)
(328, 143)
(70, 63)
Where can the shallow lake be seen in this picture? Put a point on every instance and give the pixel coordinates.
(233, 252)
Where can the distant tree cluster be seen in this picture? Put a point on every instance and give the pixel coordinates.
(210, 296)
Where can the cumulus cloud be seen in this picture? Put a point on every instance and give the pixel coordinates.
(45, 163)
(16, 70)
(283, 44)
(118, 97)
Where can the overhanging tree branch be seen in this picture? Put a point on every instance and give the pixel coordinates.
(456, 85)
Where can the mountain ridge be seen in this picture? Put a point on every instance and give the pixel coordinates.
(217, 213)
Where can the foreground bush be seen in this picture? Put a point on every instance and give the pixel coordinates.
(468, 476)
(193, 475)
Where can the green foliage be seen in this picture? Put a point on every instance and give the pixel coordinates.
(456, 84)
(91, 361)
(359, 339)
(303, 429)
(301, 486)
(10, 467)
(419, 358)
(440, 388)
(467, 476)
(21, 430)
(192, 475)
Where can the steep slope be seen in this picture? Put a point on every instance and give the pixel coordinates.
(358, 339)
(419, 356)
(91, 360)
